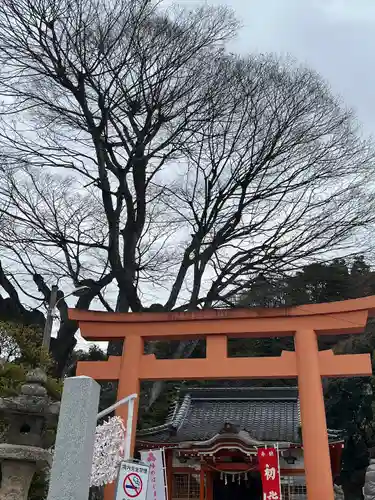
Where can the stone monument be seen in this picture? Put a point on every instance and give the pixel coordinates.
(24, 452)
(74, 447)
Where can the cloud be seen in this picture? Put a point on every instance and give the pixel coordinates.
(334, 37)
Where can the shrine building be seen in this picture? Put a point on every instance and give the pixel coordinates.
(211, 437)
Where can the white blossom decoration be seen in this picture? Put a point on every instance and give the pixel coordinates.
(108, 451)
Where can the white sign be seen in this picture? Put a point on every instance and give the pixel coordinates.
(157, 486)
(132, 481)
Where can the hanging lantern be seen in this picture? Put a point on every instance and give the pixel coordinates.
(226, 479)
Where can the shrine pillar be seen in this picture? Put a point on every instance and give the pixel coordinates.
(319, 481)
(209, 485)
(202, 492)
(128, 383)
(129, 380)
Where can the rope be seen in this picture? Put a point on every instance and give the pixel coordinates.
(231, 473)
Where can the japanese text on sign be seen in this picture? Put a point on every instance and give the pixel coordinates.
(132, 481)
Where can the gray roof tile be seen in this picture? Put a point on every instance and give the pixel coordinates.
(267, 414)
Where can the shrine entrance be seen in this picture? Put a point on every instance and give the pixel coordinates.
(249, 488)
(306, 364)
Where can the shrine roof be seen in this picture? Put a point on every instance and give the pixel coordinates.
(199, 414)
(265, 414)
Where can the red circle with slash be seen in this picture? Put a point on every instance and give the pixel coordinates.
(133, 485)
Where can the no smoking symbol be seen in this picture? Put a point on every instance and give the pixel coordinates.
(133, 485)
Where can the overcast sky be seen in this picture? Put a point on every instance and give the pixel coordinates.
(335, 37)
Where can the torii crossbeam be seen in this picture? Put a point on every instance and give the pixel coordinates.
(306, 363)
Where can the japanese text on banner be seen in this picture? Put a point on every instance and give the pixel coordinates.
(157, 482)
(270, 471)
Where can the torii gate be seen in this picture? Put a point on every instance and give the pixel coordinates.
(306, 363)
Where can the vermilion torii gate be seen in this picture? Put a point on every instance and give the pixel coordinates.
(306, 363)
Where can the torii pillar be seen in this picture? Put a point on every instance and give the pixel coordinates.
(306, 363)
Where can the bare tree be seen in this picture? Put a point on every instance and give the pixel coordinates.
(280, 179)
(142, 160)
(110, 92)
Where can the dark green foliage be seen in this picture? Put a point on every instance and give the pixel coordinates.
(320, 283)
(20, 351)
(39, 487)
(316, 282)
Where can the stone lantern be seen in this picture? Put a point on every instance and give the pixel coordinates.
(24, 452)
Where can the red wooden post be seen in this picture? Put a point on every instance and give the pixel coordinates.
(314, 427)
(202, 485)
(169, 465)
(209, 485)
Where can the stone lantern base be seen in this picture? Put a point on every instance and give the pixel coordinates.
(18, 466)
